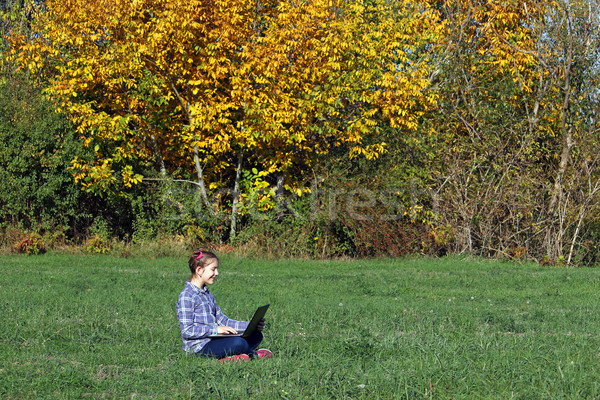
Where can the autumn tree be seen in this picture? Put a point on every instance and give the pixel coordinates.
(332, 76)
(222, 87)
(568, 52)
(508, 119)
(477, 126)
(16, 17)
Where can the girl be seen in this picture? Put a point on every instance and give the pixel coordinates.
(199, 316)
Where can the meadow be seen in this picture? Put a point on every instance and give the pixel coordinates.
(98, 327)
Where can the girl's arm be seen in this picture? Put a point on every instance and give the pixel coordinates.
(223, 320)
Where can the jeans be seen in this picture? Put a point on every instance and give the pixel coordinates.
(229, 346)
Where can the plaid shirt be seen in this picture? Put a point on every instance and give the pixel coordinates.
(199, 315)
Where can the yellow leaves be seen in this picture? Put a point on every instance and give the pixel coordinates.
(129, 177)
(370, 152)
(281, 85)
(80, 167)
(99, 178)
(504, 33)
(297, 190)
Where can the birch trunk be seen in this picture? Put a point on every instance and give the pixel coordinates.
(553, 239)
(201, 183)
(236, 194)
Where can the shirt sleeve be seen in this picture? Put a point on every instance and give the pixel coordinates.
(222, 319)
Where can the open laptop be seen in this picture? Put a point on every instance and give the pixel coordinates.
(258, 315)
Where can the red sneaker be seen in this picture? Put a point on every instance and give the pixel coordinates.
(264, 353)
(236, 358)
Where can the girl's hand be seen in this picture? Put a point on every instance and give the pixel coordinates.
(261, 324)
(226, 329)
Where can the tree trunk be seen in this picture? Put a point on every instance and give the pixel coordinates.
(279, 196)
(159, 158)
(201, 184)
(553, 239)
(236, 194)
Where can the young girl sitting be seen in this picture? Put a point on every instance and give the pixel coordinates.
(199, 316)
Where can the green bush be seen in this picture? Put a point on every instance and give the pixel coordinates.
(36, 146)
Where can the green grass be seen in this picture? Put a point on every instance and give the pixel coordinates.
(102, 327)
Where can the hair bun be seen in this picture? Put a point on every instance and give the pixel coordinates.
(197, 252)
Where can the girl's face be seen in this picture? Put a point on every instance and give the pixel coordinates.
(208, 274)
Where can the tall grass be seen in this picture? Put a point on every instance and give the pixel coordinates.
(105, 327)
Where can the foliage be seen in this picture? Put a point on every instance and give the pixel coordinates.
(294, 237)
(468, 126)
(344, 217)
(36, 144)
(260, 85)
(31, 243)
(16, 17)
(97, 244)
(517, 165)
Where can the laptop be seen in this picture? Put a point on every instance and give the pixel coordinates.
(258, 315)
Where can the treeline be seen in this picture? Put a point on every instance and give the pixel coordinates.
(321, 128)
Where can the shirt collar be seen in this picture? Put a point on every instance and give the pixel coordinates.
(196, 289)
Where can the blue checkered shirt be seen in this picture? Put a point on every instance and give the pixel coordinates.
(199, 315)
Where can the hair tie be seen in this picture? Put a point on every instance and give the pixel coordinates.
(199, 256)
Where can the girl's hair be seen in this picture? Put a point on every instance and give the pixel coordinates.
(201, 258)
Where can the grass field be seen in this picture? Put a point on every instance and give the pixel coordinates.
(100, 327)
